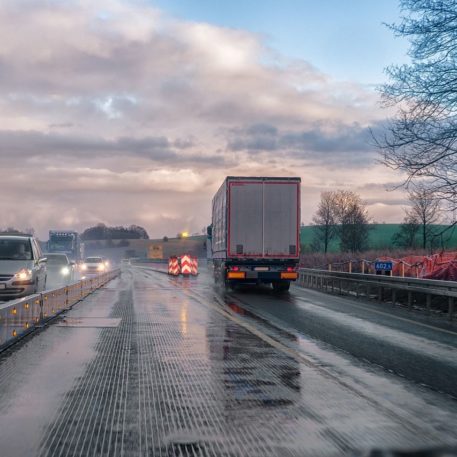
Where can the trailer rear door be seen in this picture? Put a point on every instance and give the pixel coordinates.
(281, 222)
(245, 219)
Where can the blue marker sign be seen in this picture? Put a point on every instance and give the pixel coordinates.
(383, 266)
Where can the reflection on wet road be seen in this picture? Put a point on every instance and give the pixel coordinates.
(152, 365)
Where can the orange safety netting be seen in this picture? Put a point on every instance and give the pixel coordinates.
(436, 266)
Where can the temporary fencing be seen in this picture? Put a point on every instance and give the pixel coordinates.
(19, 317)
(437, 266)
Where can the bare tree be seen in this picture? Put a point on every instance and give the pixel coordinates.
(421, 140)
(406, 237)
(324, 221)
(353, 221)
(425, 211)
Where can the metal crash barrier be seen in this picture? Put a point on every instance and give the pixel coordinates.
(21, 316)
(391, 289)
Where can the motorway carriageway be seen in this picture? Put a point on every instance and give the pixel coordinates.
(152, 365)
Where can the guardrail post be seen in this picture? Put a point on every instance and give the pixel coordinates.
(341, 286)
(350, 266)
(429, 303)
(329, 267)
(450, 308)
(402, 269)
(363, 267)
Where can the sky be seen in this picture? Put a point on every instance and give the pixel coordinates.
(133, 112)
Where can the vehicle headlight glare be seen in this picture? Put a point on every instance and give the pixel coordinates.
(65, 271)
(101, 267)
(24, 274)
(83, 267)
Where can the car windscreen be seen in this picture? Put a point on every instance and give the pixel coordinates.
(56, 259)
(93, 260)
(61, 243)
(14, 249)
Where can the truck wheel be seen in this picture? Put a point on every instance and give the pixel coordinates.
(281, 286)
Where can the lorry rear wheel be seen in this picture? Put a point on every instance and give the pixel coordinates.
(281, 286)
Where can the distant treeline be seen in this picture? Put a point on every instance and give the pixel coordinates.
(103, 232)
(387, 236)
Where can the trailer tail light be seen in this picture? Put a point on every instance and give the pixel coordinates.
(235, 269)
(289, 269)
(289, 275)
(236, 275)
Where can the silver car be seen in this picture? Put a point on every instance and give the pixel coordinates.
(22, 266)
(61, 270)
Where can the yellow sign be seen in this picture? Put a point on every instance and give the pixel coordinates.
(155, 251)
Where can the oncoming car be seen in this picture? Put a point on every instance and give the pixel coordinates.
(22, 266)
(94, 266)
(61, 271)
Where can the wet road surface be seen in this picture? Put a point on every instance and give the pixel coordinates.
(151, 365)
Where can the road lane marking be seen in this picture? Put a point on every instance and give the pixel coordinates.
(301, 358)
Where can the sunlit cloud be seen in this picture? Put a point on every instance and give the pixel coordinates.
(113, 112)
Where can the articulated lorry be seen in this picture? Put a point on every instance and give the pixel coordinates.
(255, 231)
(66, 242)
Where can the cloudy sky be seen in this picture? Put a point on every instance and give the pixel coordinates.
(133, 112)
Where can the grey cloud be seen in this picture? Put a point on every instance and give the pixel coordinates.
(343, 144)
(63, 125)
(158, 149)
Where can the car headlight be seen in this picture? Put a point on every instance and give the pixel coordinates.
(83, 267)
(101, 267)
(24, 274)
(65, 271)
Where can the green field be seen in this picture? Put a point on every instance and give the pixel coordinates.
(380, 237)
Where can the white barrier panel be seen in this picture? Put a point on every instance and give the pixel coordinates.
(18, 317)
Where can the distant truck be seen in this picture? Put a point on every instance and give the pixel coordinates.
(66, 242)
(255, 231)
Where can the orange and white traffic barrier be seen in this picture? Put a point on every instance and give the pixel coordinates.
(194, 267)
(173, 266)
(186, 265)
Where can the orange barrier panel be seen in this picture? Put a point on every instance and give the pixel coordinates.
(173, 266)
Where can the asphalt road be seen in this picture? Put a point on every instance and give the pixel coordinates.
(152, 365)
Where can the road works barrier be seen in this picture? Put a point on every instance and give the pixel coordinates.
(21, 316)
(194, 268)
(173, 266)
(186, 265)
(423, 293)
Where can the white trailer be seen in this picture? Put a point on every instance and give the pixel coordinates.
(256, 231)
